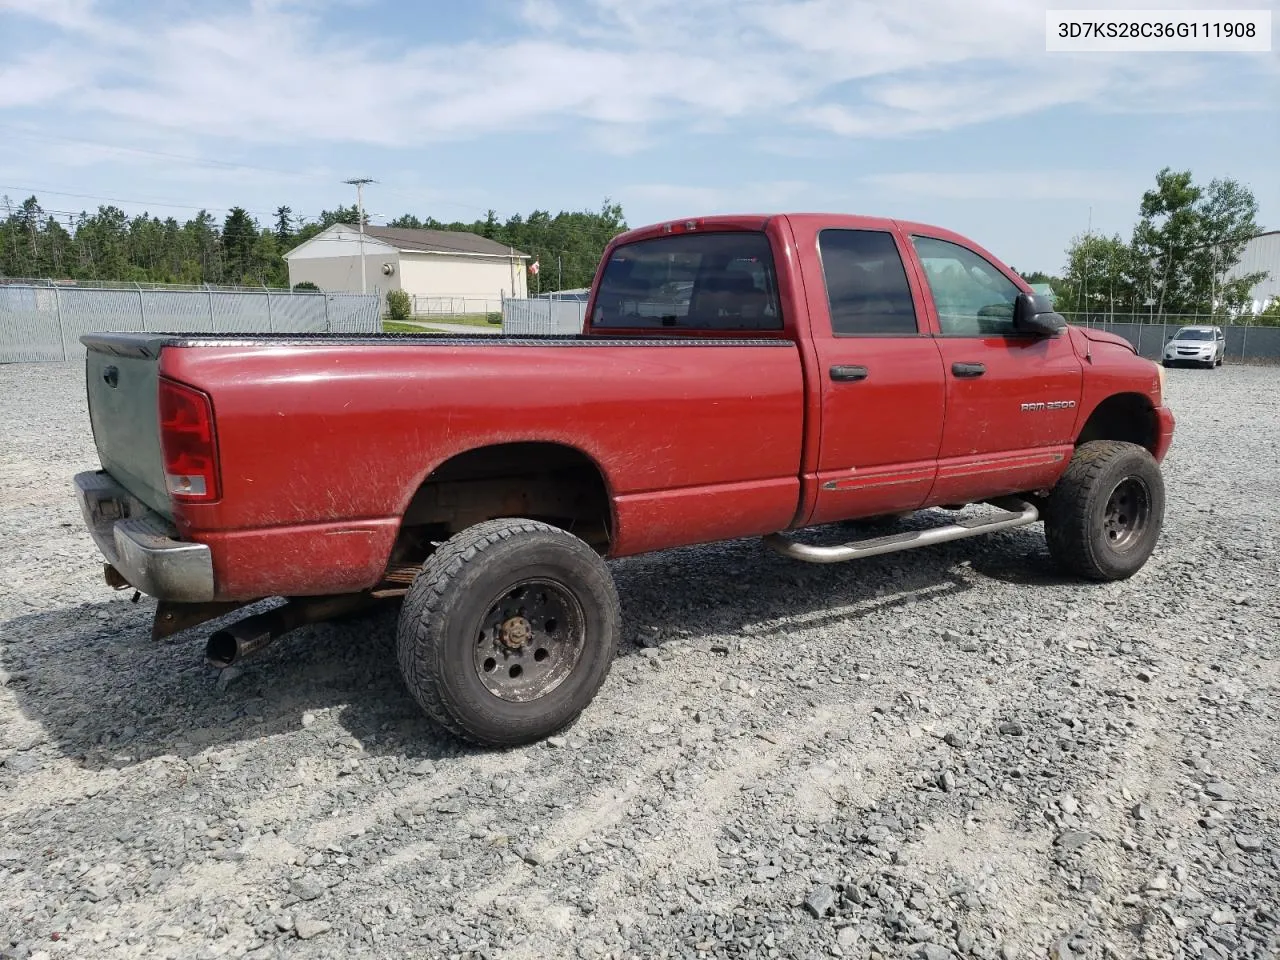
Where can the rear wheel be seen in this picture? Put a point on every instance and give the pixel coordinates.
(1104, 516)
(508, 631)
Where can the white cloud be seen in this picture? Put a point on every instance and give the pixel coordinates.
(68, 14)
(270, 73)
(1007, 185)
(542, 14)
(679, 199)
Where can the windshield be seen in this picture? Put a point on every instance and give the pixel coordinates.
(1190, 334)
(707, 281)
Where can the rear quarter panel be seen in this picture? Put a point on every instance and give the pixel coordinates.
(323, 446)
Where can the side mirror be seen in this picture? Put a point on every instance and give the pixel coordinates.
(1034, 314)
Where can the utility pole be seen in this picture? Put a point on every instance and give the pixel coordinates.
(1088, 254)
(358, 183)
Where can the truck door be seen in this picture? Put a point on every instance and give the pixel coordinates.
(1011, 397)
(879, 373)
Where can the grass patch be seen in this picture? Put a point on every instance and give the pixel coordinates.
(393, 326)
(461, 319)
(466, 319)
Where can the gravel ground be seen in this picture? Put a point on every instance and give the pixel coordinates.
(941, 754)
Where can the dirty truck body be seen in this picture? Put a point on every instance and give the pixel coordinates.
(736, 377)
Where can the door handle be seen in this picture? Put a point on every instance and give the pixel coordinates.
(968, 370)
(848, 373)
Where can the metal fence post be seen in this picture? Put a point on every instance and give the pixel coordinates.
(142, 309)
(213, 324)
(270, 325)
(1244, 343)
(57, 309)
(326, 313)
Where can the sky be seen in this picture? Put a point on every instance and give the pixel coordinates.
(943, 111)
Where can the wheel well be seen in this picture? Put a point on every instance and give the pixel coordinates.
(1129, 417)
(535, 481)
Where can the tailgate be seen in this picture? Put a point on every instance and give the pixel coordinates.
(123, 408)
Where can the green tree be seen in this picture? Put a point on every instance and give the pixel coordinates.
(266, 267)
(202, 248)
(1186, 240)
(349, 215)
(1270, 315)
(239, 234)
(1228, 217)
(1097, 280)
(284, 226)
(110, 245)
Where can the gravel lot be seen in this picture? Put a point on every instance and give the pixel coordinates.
(947, 753)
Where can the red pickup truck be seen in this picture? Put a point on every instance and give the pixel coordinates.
(740, 376)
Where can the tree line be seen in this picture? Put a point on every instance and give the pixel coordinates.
(1176, 262)
(1188, 237)
(110, 245)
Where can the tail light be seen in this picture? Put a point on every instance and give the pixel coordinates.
(188, 444)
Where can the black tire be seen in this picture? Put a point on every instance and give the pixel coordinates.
(1166, 363)
(445, 632)
(1103, 517)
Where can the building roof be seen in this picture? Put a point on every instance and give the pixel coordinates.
(441, 241)
(445, 242)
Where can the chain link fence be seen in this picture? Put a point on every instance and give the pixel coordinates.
(442, 308)
(543, 317)
(1246, 343)
(45, 322)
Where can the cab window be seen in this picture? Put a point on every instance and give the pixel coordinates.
(972, 297)
(693, 281)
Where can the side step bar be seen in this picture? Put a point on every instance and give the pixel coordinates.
(1013, 513)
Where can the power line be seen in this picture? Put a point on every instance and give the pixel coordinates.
(142, 203)
(207, 161)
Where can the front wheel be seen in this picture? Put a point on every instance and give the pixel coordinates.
(1104, 516)
(508, 631)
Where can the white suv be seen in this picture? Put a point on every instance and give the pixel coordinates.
(1203, 346)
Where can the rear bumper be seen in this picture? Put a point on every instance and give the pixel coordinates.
(1164, 433)
(142, 545)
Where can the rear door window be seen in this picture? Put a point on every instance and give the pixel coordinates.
(867, 289)
(691, 281)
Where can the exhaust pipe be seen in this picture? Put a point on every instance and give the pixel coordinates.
(249, 636)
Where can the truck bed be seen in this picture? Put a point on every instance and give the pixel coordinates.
(324, 440)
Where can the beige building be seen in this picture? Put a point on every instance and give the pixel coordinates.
(428, 264)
